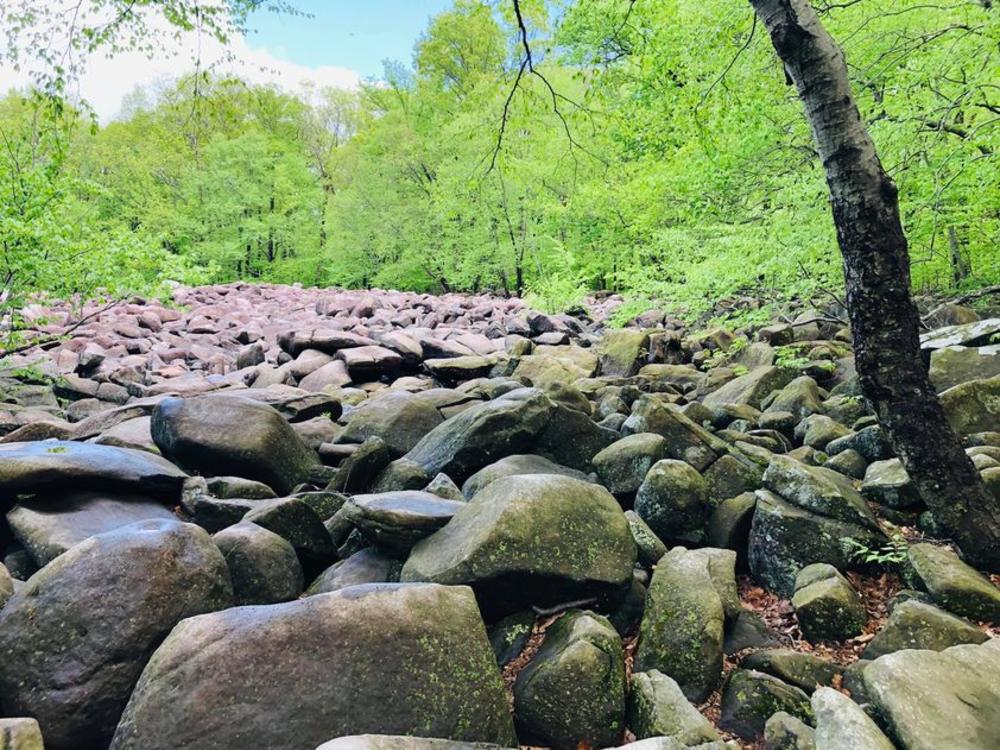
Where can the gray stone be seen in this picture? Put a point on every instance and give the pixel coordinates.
(952, 584)
(750, 698)
(227, 435)
(673, 500)
(366, 566)
(841, 723)
(887, 483)
(657, 708)
(785, 732)
(572, 692)
(785, 538)
(976, 333)
(262, 566)
(515, 465)
(958, 364)
(297, 523)
(75, 638)
(973, 406)
(395, 521)
(914, 624)
(48, 526)
(650, 548)
(624, 464)
(291, 676)
(818, 490)
(483, 433)
(931, 701)
(59, 464)
(531, 539)
(752, 388)
(826, 605)
(400, 418)
(681, 633)
(803, 670)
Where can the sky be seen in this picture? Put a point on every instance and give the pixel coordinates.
(342, 43)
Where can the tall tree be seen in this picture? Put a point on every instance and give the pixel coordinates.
(884, 320)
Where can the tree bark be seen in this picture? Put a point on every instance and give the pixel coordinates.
(884, 320)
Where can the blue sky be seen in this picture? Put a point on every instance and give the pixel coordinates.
(344, 42)
(354, 34)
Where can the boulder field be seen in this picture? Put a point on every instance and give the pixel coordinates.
(301, 519)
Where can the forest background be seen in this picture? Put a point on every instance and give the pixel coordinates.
(656, 151)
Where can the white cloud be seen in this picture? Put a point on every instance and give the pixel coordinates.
(106, 81)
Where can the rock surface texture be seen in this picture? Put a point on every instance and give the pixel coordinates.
(303, 519)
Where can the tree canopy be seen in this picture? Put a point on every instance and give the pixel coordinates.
(656, 151)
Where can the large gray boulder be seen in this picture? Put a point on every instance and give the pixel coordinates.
(572, 692)
(916, 624)
(818, 490)
(531, 539)
(952, 365)
(365, 566)
(750, 698)
(682, 628)
(513, 465)
(841, 723)
(383, 659)
(48, 526)
(973, 406)
(752, 388)
(673, 501)
(75, 638)
(624, 464)
(686, 440)
(657, 708)
(483, 433)
(263, 567)
(398, 417)
(953, 584)
(60, 464)
(228, 435)
(931, 700)
(826, 605)
(395, 521)
(785, 538)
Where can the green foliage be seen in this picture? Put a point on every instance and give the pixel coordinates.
(655, 151)
(892, 553)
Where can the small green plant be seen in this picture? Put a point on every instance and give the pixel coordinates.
(722, 356)
(892, 553)
(791, 357)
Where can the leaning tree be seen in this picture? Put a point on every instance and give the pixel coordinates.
(884, 319)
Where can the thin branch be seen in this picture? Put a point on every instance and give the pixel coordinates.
(52, 339)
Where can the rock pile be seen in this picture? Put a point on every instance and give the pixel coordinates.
(302, 519)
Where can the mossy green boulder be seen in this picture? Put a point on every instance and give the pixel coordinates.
(934, 700)
(681, 633)
(826, 605)
(750, 698)
(657, 708)
(572, 692)
(915, 624)
(531, 540)
(953, 584)
(383, 658)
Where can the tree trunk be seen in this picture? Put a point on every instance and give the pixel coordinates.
(884, 320)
